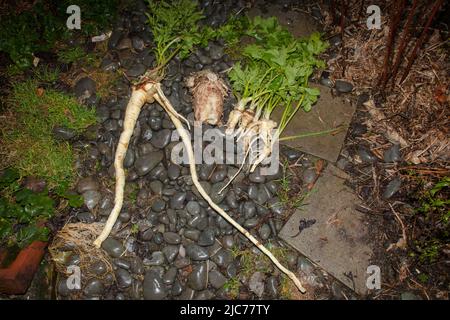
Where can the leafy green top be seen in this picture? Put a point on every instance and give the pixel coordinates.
(276, 66)
(175, 30)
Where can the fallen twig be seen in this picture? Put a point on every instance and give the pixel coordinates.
(402, 242)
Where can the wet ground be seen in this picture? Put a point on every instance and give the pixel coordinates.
(168, 243)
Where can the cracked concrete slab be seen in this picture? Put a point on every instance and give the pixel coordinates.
(329, 112)
(337, 241)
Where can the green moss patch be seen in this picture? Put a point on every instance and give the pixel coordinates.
(39, 111)
(27, 134)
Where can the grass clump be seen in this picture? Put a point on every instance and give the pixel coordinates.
(46, 74)
(290, 194)
(27, 137)
(232, 287)
(43, 157)
(71, 54)
(251, 262)
(68, 54)
(38, 111)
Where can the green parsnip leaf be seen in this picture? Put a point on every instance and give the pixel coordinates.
(282, 63)
(175, 29)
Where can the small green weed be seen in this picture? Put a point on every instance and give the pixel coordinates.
(132, 192)
(134, 228)
(21, 215)
(423, 278)
(429, 252)
(436, 201)
(289, 200)
(251, 262)
(46, 74)
(232, 287)
(70, 55)
(434, 207)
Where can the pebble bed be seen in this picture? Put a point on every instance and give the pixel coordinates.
(168, 243)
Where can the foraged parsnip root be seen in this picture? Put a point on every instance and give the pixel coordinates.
(138, 98)
(148, 93)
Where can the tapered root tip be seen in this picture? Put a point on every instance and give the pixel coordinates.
(98, 243)
(299, 286)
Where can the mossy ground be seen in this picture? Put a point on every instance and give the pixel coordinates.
(251, 262)
(72, 54)
(89, 63)
(39, 110)
(46, 74)
(26, 134)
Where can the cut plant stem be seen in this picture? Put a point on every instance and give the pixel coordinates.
(268, 138)
(246, 118)
(311, 134)
(236, 115)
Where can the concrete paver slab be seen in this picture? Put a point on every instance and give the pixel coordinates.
(337, 240)
(329, 112)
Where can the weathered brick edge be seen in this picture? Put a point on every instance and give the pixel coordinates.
(16, 278)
